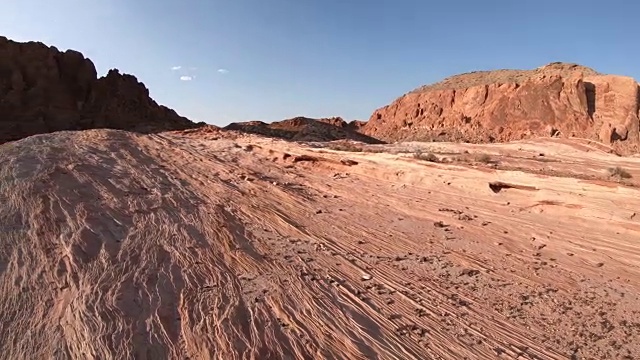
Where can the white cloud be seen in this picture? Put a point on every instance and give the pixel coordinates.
(223, 71)
(175, 68)
(186, 78)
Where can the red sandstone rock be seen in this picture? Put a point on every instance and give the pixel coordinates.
(306, 129)
(44, 90)
(555, 100)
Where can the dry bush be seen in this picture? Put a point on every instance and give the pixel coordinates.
(484, 158)
(425, 157)
(619, 172)
(346, 147)
(375, 150)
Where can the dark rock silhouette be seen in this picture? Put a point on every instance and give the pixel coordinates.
(306, 129)
(44, 90)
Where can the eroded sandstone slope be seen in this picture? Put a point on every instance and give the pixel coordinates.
(44, 90)
(559, 99)
(219, 245)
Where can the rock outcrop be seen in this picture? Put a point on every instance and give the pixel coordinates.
(45, 90)
(306, 129)
(559, 99)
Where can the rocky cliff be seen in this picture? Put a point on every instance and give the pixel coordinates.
(306, 129)
(559, 99)
(44, 90)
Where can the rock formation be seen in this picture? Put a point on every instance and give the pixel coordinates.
(44, 90)
(306, 129)
(559, 99)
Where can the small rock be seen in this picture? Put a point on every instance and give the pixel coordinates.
(367, 277)
(469, 272)
(348, 162)
(440, 224)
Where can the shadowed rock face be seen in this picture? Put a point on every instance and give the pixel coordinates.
(306, 129)
(493, 106)
(44, 90)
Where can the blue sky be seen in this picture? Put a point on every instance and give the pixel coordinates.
(284, 58)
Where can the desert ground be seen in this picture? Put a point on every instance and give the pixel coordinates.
(196, 245)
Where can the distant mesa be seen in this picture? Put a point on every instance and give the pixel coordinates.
(44, 90)
(555, 100)
(307, 129)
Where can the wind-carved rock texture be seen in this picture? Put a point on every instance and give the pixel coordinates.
(44, 90)
(559, 99)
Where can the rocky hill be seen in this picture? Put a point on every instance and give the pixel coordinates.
(44, 90)
(558, 100)
(306, 129)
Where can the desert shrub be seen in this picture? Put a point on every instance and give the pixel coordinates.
(619, 172)
(425, 157)
(375, 150)
(346, 147)
(484, 158)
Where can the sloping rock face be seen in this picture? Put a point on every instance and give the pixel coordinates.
(44, 90)
(306, 129)
(558, 99)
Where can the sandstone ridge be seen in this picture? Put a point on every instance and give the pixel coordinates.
(306, 129)
(44, 90)
(558, 100)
